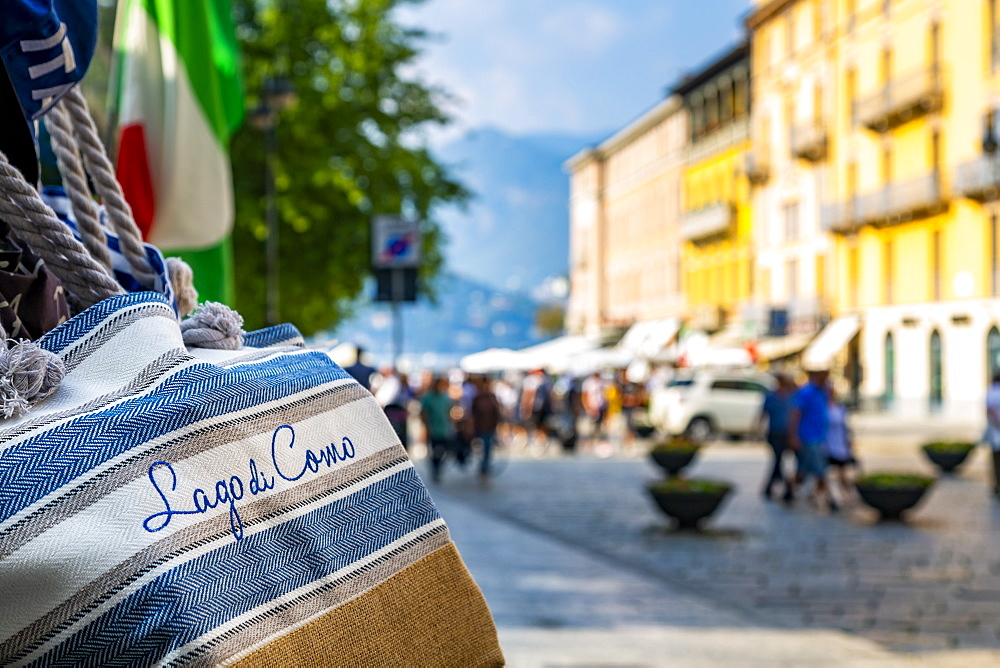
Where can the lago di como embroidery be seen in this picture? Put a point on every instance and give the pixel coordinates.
(258, 480)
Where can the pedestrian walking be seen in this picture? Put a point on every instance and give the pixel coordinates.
(435, 411)
(394, 396)
(486, 416)
(360, 371)
(807, 431)
(774, 414)
(839, 444)
(992, 436)
(595, 402)
(536, 406)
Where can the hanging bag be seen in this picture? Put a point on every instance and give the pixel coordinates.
(169, 503)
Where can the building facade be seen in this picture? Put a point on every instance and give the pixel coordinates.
(860, 199)
(716, 231)
(792, 95)
(624, 218)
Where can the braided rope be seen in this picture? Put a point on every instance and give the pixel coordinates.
(85, 281)
(106, 183)
(75, 181)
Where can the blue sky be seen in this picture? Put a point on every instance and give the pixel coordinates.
(574, 66)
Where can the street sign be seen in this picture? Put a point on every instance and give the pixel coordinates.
(395, 242)
(396, 285)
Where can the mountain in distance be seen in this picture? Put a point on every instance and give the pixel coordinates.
(515, 232)
(470, 316)
(502, 252)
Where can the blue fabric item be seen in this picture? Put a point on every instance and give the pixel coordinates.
(56, 198)
(811, 402)
(260, 568)
(777, 409)
(46, 47)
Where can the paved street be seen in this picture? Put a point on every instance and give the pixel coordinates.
(581, 569)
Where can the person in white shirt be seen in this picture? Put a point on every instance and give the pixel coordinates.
(992, 436)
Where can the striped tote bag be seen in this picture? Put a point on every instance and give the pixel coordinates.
(251, 507)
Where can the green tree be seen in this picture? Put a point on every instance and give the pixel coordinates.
(351, 147)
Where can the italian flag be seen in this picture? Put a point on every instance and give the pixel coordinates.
(178, 98)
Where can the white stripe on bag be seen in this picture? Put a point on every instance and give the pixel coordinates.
(30, 45)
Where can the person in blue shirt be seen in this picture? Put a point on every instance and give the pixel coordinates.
(775, 412)
(807, 430)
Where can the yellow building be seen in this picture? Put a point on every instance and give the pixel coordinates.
(792, 98)
(906, 89)
(715, 228)
(624, 217)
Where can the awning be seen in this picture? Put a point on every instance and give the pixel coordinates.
(588, 362)
(494, 359)
(774, 348)
(647, 339)
(833, 338)
(554, 355)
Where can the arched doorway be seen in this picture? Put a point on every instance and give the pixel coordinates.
(890, 370)
(992, 353)
(937, 389)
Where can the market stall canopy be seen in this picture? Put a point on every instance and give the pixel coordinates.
(554, 355)
(777, 347)
(833, 338)
(598, 359)
(647, 339)
(494, 359)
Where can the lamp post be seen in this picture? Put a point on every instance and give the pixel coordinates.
(277, 94)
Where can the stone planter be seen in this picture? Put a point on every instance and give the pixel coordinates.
(673, 461)
(892, 495)
(691, 505)
(947, 456)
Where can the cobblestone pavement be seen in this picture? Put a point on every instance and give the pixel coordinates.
(928, 585)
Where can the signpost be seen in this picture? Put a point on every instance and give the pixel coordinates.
(395, 258)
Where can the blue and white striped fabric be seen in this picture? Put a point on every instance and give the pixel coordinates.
(55, 197)
(168, 506)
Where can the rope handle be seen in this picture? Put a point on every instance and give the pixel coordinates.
(86, 282)
(96, 162)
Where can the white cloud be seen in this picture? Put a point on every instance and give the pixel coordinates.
(585, 28)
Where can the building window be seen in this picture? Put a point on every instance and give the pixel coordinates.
(818, 19)
(936, 264)
(935, 45)
(791, 215)
(886, 66)
(853, 274)
(886, 6)
(994, 258)
(851, 14)
(790, 33)
(793, 279)
(852, 95)
(994, 34)
(887, 163)
(992, 354)
(936, 151)
(890, 371)
(821, 276)
(888, 269)
(936, 394)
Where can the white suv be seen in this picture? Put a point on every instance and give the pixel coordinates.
(703, 404)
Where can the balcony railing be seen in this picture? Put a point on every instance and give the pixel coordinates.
(904, 98)
(979, 179)
(896, 203)
(708, 221)
(809, 141)
(758, 166)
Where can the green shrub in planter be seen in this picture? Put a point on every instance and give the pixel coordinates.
(689, 500)
(675, 454)
(893, 493)
(948, 456)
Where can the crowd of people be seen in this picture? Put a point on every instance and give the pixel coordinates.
(808, 424)
(465, 416)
